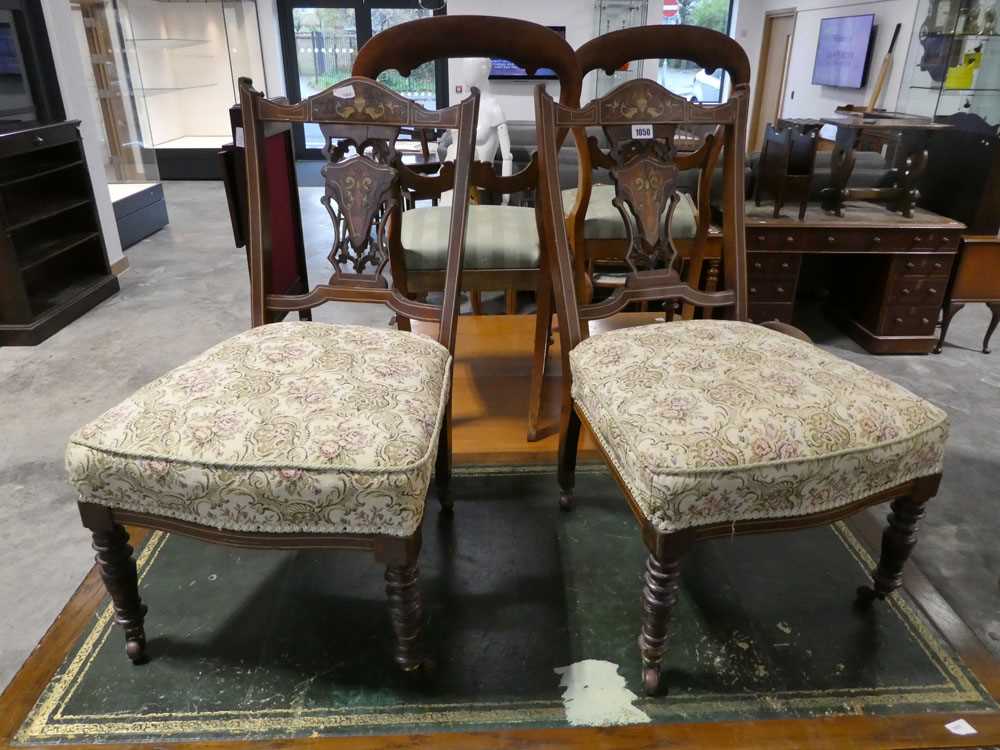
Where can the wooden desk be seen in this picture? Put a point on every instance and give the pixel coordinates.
(892, 280)
(976, 279)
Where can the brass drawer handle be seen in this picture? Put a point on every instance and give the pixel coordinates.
(925, 321)
(780, 290)
(876, 240)
(917, 239)
(938, 266)
(831, 239)
(906, 291)
(899, 321)
(911, 265)
(38, 140)
(757, 265)
(785, 265)
(761, 238)
(932, 290)
(790, 239)
(753, 290)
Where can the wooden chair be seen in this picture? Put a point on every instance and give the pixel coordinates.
(595, 226)
(502, 245)
(297, 435)
(715, 427)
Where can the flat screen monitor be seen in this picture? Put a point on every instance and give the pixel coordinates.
(505, 70)
(843, 51)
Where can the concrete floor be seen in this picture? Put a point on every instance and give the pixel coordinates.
(187, 289)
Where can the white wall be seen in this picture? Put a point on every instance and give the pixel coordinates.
(802, 97)
(70, 70)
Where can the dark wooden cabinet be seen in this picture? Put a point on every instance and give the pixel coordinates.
(890, 281)
(53, 263)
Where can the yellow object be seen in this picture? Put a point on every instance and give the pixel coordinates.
(960, 76)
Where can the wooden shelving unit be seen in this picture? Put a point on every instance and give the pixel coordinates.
(53, 264)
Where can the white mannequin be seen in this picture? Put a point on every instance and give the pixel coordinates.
(491, 128)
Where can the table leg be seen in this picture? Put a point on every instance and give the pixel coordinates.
(995, 309)
(949, 312)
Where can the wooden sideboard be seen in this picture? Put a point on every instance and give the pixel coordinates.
(890, 283)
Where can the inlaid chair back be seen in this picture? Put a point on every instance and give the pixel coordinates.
(697, 143)
(364, 178)
(641, 120)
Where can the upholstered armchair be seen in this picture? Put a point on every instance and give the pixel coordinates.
(717, 426)
(298, 435)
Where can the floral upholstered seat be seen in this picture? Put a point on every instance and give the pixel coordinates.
(715, 421)
(288, 427)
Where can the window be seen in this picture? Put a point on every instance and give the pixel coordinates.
(682, 77)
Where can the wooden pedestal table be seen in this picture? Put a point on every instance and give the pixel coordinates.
(890, 282)
(976, 279)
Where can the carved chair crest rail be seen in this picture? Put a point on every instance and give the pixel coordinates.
(502, 252)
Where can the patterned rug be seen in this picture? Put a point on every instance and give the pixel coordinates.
(532, 620)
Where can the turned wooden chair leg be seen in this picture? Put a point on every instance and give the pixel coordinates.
(120, 576)
(569, 439)
(407, 613)
(994, 320)
(898, 541)
(659, 595)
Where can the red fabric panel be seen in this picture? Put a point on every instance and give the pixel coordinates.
(284, 253)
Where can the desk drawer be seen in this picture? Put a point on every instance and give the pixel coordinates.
(911, 290)
(773, 265)
(901, 320)
(771, 290)
(922, 265)
(762, 312)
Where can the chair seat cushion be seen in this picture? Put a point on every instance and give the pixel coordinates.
(603, 221)
(496, 238)
(289, 427)
(712, 421)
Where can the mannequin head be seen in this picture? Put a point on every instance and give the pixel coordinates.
(474, 71)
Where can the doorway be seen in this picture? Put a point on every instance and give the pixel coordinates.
(320, 40)
(772, 74)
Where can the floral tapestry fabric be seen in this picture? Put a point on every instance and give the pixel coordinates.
(711, 421)
(289, 427)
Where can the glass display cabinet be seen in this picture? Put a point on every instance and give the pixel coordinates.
(953, 64)
(952, 75)
(165, 75)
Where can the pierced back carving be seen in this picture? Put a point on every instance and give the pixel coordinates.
(363, 178)
(642, 120)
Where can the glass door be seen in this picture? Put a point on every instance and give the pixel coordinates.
(320, 40)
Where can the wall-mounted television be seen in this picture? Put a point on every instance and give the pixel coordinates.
(505, 70)
(844, 50)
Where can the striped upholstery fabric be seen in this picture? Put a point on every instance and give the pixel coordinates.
(605, 223)
(497, 238)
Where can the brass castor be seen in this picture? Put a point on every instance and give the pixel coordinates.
(566, 501)
(135, 648)
(651, 680)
